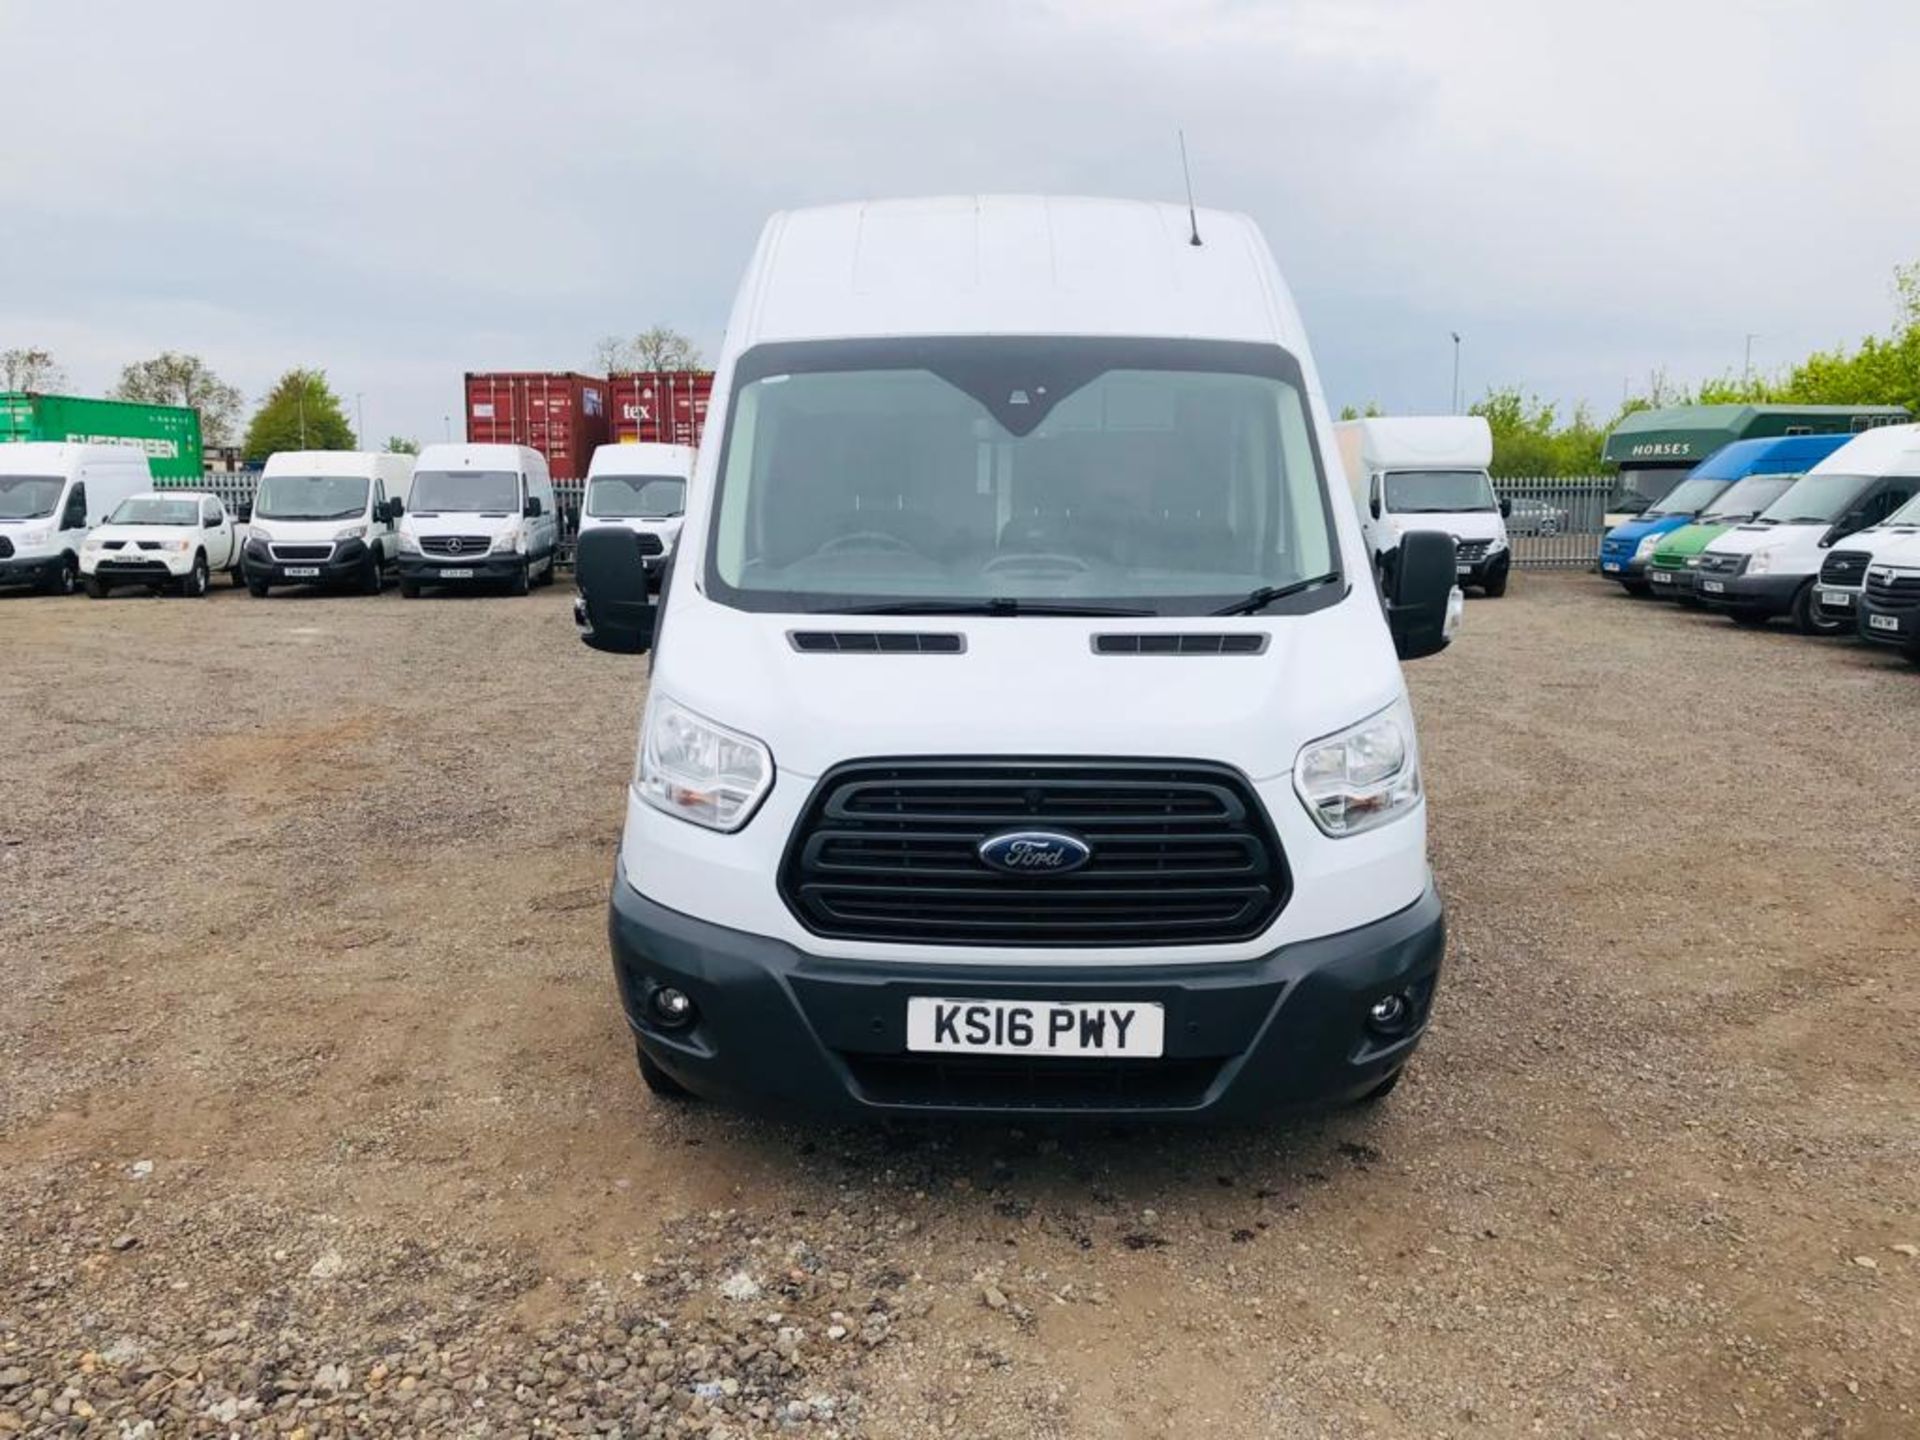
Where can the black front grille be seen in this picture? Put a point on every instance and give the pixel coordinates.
(1845, 567)
(6, 548)
(1007, 1083)
(1471, 552)
(301, 552)
(1711, 564)
(875, 642)
(648, 544)
(1240, 642)
(1890, 590)
(1182, 853)
(456, 545)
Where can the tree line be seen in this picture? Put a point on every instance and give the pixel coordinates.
(1532, 437)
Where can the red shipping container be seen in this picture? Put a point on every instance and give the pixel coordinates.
(661, 407)
(562, 415)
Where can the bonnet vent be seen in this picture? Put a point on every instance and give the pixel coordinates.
(1236, 642)
(875, 642)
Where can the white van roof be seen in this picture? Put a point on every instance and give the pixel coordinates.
(1420, 442)
(1888, 450)
(635, 457)
(57, 457)
(370, 463)
(1014, 265)
(460, 456)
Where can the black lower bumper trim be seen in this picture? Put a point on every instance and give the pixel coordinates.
(779, 1029)
(1761, 594)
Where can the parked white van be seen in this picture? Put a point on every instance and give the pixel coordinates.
(478, 514)
(1772, 566)
(643, 487)
(327, 517)
(1429, 472)
(1024, 729)
(164, 539)
(51, 495)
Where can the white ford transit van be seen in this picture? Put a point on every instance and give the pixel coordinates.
(327, 517)
(1773, 566)
(1024, 731)
(478, 514)
(643, 487)
(1429, 472)
(51, 495)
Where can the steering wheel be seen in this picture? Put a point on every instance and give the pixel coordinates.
(1055, 563)
(865, 540)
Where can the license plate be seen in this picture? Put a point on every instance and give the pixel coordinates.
(1660, 577)
(456, 574)
(1838, 599)
(1465, 569)
(303, 572)
(1714, 587)
(1883, 622)
(1036, 1027)
(1612, 567)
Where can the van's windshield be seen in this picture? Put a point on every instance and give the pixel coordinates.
(495, 492)
(636, 497)
(29, 497)
(312, 497)
(1438, 492)
(1816, 500)
(1001, 473)
(1907, 514)
(1746, 498)
(1686, 498)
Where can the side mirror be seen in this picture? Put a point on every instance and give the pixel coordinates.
(1419, 591)
(532, 511)
(1506, 508)
(1373, 507)
(616, 611)
(395, 507)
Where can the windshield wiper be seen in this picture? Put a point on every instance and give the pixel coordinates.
(1257, 600)
(1001, 606)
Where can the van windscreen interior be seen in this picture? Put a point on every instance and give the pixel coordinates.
(1009, 470)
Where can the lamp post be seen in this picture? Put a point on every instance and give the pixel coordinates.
(1456, 370)
(359, 420)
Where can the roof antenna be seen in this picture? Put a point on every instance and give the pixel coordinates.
(1193, 220)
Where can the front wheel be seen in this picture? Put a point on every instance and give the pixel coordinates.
(370, 578)
(409, 589)
(522, 581)
(1496, 585)
(1807, 618)
(66, 579)
(95, 589)
(1639, 589)
(258, 589)
(658, 1080)
(1752, 619)
(1385, 1088)
(198, 580)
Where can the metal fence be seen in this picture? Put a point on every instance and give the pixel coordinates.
(1557, 520)
(1556, 524)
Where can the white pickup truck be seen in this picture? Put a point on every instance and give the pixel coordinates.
(176, 539)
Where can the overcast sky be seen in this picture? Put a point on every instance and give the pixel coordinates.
(400, 192)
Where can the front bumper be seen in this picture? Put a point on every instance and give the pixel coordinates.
(1487, 567)
(32, 570)
(1670, 584)
(779, 1029)
(1889, 627)
(477, 570)
(1762, 594)
(1632, 571)
(1837, 602)
(347, 563)
(154, 567)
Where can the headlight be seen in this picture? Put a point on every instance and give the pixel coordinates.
(1647, 546)
(697, 770)
(1499, 542)
(1760, 562)
(408, 545)
(507, 543)
(90, 544)
(1693, 562)
(352, 532)
(1362, 776)
(185, 542)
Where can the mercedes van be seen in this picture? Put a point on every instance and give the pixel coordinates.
(51, 495)
(643, 487)
(327, 517)
(1755, 572)
(1024, 730)
(1429, 472)
(478, 514)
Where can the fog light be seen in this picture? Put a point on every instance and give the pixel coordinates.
(1390, 1014)
(672, 1008)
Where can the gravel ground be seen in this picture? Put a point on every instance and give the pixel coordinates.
(318, 1115)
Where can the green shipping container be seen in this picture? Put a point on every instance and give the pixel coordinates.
(168, 433)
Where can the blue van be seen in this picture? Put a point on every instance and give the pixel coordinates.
(1627, 548)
